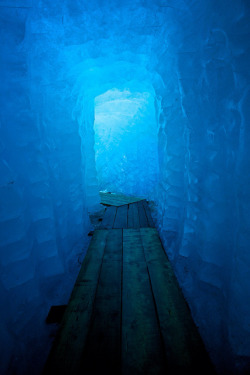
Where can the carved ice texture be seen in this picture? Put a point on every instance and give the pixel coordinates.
(177, 74)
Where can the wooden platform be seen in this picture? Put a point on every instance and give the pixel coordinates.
(135, 215)
(126, 314)
(113, 199)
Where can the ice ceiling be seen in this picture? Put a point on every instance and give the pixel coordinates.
(184, 67)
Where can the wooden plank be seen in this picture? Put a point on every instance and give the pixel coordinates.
(121, 219)
(133, 216)
(142, 216)
(65, 356)
(142, 351)
(117, 199)
(184, 349)
(102, 354)
(109, 218)
(148, 214)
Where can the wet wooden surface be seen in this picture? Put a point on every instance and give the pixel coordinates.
(127, 314)
(113, 199)
(134, 215)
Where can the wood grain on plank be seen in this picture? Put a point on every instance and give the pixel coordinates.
(117, 199)
(121, 219)
(142, 351)
(184, 349)
(65, 356)
(142, 215)
(109, 218)
(148, 214)
(127, 314)
(133, 216)
(102, 354)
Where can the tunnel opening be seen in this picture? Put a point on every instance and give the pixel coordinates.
(126, 139)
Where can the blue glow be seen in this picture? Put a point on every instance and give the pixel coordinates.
(125, 131)
(149, 97)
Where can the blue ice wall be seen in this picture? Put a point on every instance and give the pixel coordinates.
(43, 212)
(56, 58)
(203, 198)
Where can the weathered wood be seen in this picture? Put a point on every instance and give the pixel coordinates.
(121, 219)
(142, 216)
(102, 354)
(148, 214)
(127, 314)
(133, 216)
(184, 349)
(113, 199)
(109, 218)
(65, 356)
(142, 351)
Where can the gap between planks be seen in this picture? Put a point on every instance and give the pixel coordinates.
(135, 215)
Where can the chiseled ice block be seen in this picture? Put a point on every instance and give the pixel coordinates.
(7, 176)
(44, 230)
(18, 273)
(210, 274)
(46, 249)
(12, 202)
(50, 266)
(13, 230)
(16, 251)
(46, 209)
(186, 246)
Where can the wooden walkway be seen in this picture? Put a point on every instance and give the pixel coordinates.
(126, 314)
(113, 199)
(134, 215)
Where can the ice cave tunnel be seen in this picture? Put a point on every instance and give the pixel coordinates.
(143, 97)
